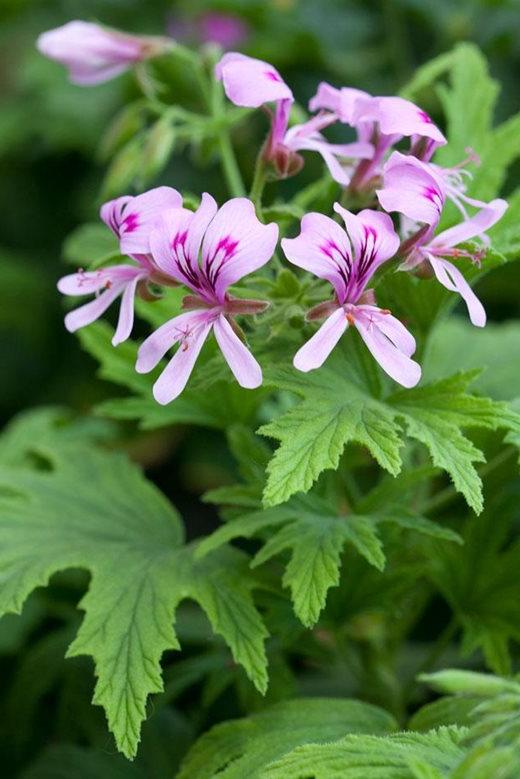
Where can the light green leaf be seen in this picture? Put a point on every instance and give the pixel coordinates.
(96, 511)
(243, 748)
(457, 345)
(315, 538)
(372, 757)
(338, 408)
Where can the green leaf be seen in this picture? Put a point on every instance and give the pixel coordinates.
(90, 245)
(373, 757)
(339, 407)
(425, 75)
(315, 538)
(96, 511)
(225, 404)
(243, 748)
(457, 345)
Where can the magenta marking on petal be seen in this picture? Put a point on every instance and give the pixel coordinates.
(424, 117)
(273, 76)
(130, 223)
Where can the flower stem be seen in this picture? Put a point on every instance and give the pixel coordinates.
(229, 164)
(213, 96)
(259, 180)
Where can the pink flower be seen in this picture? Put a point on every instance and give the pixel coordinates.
(418, 191)
(232, 243)
(131, 219)
(95, 54)
(253, 83)
(381, 121)
(223, 29)
(348, 260)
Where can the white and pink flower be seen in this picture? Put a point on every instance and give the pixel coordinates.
(232, 243)
(253, 83)
(418, 190)
(348, 259)
(94, 54)
(131, 219)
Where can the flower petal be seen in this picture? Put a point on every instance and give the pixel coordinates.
(236, 243)
(133, 218)
(126, 313)
(323, 248)
(343, 102)
(88, 313)
(385, 349)
(393, 328)
(153, 348)
(473, 227)
(373, 240)
(314, 353)
(451, 278)
(297, 141)
(398, 116)
(175, 244)
(87, 282)
(412, 188)
(175, 376)
(92, 53)
(251, 82)
(245, 368)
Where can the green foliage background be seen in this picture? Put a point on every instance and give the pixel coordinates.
(350, 628)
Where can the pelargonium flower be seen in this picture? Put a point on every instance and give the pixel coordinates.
(381, 121)
(232, 243)
(131, 219)
(348, 260)
(95, 54)
(418, 191)
(253, 83)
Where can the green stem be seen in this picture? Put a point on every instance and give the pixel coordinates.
(213, 96)
(259, 180)
(229, 164)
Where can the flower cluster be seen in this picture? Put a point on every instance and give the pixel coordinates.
(211, 249)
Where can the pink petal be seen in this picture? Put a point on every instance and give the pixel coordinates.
(385, 350)
(314, 353)
(322, 248)
(397, 116)
(473, 227)
(175, 376)
(88, 313)
(133, 218)
(245, 368)
(251, 82)
(342, 101)
(175, 245)
(199, 223)
(153, 348)
(91, 53)
(372, 237)
(412, 188)
(126, 313)
(87, 282)
(393, 329)
(236, 243)
(451, 278)
(297, 141)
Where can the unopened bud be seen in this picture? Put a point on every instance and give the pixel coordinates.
(286, 162)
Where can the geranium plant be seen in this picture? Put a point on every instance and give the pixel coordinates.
(316, 332)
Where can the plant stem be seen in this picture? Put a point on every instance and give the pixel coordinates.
(214, 97)
(259, 179)
(229, 164)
